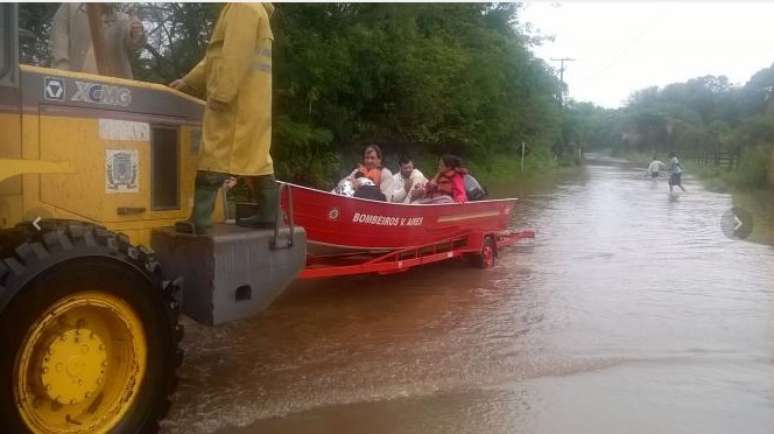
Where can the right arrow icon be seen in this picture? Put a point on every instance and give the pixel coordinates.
(739, 223)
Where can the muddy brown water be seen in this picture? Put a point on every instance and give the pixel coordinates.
(630, 312)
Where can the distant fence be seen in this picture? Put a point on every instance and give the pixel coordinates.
(726, 160)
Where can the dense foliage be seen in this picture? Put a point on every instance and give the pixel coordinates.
(416, 78)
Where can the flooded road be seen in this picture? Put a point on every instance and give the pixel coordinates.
(630, 312)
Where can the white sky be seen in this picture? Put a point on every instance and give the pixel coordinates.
(625, 46)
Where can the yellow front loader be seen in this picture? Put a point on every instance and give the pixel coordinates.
(92, 169)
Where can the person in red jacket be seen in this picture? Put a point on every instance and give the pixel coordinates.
(448, 185)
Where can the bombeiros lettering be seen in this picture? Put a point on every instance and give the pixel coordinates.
(380, 220)
(97, 93)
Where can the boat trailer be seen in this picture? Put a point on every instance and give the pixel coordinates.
(480, 248)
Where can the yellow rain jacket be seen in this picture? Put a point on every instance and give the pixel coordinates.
(236, 70)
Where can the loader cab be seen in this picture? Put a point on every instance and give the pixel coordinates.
(132, 145)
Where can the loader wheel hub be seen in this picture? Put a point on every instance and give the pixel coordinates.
(81, 365)
(74, 366)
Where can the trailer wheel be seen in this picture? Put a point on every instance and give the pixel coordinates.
(486, 259)
(89, 339)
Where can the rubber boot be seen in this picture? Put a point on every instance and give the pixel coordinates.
(266, 197)
(205, 193)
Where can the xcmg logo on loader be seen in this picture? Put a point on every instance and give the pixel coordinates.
(96, 93)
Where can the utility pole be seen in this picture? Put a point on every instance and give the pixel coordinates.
(562, 97)
(561, 61)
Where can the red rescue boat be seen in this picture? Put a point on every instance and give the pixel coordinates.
(363, 224)
(364, 236)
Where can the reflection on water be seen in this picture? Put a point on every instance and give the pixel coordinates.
(629, 312)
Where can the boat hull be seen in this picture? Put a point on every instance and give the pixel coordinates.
(352, 223)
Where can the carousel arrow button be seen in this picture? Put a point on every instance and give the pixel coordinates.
(739, 223)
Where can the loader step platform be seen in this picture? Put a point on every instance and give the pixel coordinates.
(232, 273)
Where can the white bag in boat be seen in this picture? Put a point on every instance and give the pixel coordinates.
(345, 188)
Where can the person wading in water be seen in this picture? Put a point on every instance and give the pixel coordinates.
(675, 179)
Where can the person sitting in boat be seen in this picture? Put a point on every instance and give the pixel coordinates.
(371, 168)
(448, 185)
(408, 183)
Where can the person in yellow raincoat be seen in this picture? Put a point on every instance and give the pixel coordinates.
(235, 77)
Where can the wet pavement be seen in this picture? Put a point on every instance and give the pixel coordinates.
(630, 312)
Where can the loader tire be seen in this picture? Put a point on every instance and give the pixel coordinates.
(89, 341)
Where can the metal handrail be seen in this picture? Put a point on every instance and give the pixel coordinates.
(281, 214)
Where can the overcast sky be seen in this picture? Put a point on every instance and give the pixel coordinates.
(625, 46)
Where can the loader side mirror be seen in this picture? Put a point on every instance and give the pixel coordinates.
(9, 53)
